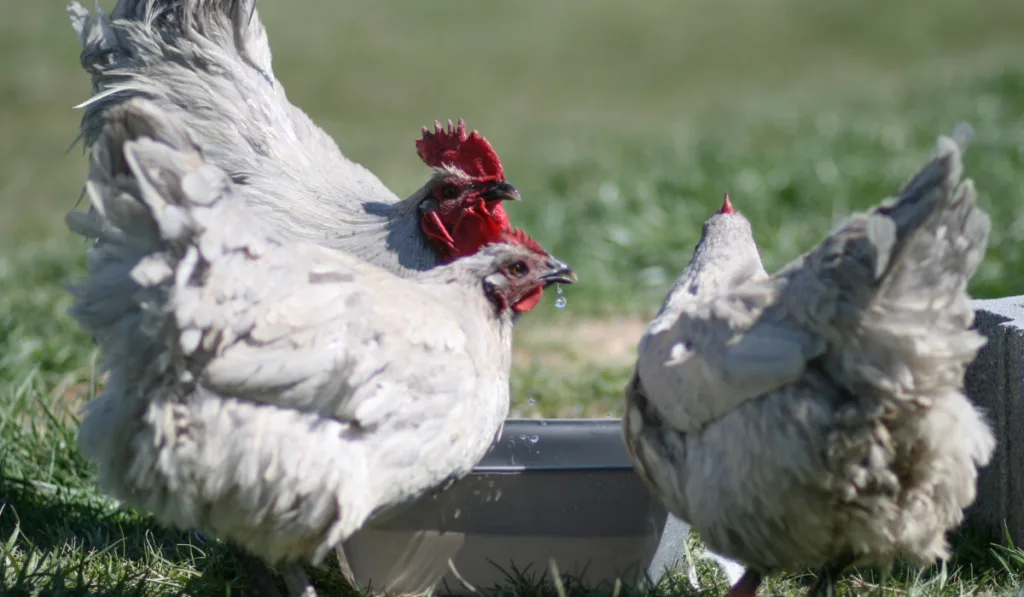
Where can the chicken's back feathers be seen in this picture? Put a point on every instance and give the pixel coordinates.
(275, 393)
(818, 413)
(208, 63)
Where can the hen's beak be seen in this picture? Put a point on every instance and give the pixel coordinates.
(501, 191)
(558, 273)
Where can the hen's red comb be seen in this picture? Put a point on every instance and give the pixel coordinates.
(518, 236)
(470, 153)
(727, 207)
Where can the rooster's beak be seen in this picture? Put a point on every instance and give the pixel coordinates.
(501, 191)
(558, 273)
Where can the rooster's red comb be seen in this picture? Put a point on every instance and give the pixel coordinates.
(518, 236)
(452, 146)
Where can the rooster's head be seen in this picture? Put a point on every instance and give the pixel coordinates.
(461, 204)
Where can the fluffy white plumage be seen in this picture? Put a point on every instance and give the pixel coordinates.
(275, 393)
(816, 417)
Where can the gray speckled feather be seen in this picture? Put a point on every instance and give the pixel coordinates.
(273, 392)
(208, 63)
(817, 414)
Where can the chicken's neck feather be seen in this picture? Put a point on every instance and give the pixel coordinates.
(370, 222)
(725, 258)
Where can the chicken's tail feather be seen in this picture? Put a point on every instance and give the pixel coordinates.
(902, 313)
(135, 30)
(203, 56)
(898, 324)
(908, 342)
(208, 63)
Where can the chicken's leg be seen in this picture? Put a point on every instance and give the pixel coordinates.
(297, 582)
(747, 585)
(825, 585)
(257, 573)
(828, 575)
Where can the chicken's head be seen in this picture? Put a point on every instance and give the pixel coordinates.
(461, 204)
(726, 255)
(519, 270)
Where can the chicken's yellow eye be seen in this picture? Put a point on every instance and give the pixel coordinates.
(518, 269)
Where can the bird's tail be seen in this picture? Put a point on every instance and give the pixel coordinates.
(208, 63)
(201, 57)
(902, 340)
(901, 311)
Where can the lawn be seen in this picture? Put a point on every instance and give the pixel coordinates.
(621, 124)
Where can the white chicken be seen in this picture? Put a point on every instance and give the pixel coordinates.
(276, 393)
(207, 62)
(816, 417)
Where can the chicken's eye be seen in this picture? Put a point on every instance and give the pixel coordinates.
(450, 191)
(518, 269)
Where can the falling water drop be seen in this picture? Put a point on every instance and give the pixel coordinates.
(534, 439)
(531, 401)
(560, 302)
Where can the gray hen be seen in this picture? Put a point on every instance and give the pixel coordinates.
(816, 417)
(277, 393)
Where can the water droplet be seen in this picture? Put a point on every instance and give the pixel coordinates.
(522, 437)
(534, 439)
(531, 401)
(558, 287)
(560, 302)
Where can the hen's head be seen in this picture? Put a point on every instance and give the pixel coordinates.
(726, 254)
(461, 204)
(727, 224)
(516, 270)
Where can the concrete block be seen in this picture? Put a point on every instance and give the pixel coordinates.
(995, 382)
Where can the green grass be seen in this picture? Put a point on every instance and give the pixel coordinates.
(622, 125)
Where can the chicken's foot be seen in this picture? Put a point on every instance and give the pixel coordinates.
(297, 582)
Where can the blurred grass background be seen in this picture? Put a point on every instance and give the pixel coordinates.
(621, 123)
